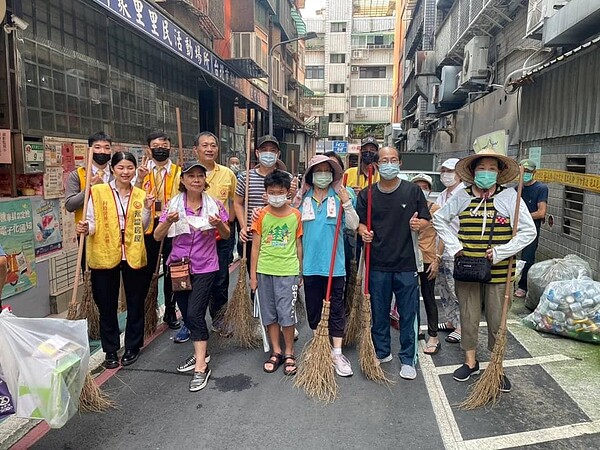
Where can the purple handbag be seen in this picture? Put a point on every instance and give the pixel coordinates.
(6, 404)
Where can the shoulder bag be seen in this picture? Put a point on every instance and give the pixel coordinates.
(472, 268)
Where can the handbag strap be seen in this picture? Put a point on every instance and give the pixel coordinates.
(492, 229)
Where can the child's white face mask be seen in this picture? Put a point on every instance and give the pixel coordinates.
(277, 201)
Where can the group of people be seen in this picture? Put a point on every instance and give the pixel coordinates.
(187, 214)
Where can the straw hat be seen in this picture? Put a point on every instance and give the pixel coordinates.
(509, 172)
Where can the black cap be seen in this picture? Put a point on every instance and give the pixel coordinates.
(268, 138)
(190, 165)
(369, 140)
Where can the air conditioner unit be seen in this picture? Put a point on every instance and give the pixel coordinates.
(413, 140)
(475, 69)
(450, 83)
(360, 113)
(354, 69)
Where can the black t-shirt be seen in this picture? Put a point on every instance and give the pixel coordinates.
(534, 194)
(392, 247)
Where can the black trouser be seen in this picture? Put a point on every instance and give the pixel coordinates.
(315, 289)
(193, 305)
(152, 247)
(428, 293)
(105, 286)
(220, 285)
(83, 254)
(528, 255)
(349, 251)
(248, 258)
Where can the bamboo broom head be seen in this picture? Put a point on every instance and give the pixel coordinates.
(93, 399)
(238, 317)
(367, 358)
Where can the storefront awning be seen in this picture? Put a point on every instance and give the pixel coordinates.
(300, 25)
(305, 91)
(159, 27)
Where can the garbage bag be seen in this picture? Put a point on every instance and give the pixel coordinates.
(569, 308)
(44, 362)
(545, 272)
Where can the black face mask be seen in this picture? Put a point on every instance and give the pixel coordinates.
(160, 154)
(368, 157)
(101, 158)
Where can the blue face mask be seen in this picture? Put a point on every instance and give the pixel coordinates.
(389, 171)
(527, 177)
(485, 179)
(267, 159)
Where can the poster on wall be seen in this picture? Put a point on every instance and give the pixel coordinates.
(79, 154)
(16, 235)
(48, 241)
(52, 154)
(5, 153)
(68, 157)
(69, 233)
(53, 182)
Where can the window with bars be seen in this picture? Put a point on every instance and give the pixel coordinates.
(337, 88)
(573, 201)
(315, 72)
(336, 117)
(338, 27)
(337, 58)
(372, 72)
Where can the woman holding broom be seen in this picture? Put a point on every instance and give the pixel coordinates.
(116, 217)
(322, 195)
(192, 219)
(486, 212)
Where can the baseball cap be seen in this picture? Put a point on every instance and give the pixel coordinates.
(190, 165)
(449, 164)
(528, 164)
(369, 140)
(422, 177)
(268, 138)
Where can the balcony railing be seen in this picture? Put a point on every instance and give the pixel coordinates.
(284, 19)
(414, 33)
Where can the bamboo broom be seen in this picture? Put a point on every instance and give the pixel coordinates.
(151, 302)
(88, 308)
(72, 313)
(367, 358)
(316, 374)
(487, 389)
(352, 333)
(238, 317)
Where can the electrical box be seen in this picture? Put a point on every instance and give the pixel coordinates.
(474, 68)
(29, 155)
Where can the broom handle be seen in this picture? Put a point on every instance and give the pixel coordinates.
(507, 285)
(247, 186)
(86, 198)
(338, 225)
(179, 136)
(368, 244)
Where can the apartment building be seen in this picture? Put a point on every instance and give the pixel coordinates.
(350, 69)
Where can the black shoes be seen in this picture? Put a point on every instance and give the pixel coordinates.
(111, 361)
(464, 372)
(129, 357)
(170, 318)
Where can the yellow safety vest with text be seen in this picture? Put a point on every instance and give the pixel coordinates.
(171, 190)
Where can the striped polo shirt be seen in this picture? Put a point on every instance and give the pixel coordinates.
(255, 193)
(469, 233)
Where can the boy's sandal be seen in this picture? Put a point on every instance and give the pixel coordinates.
(435, 347)
(289, 368)
(275, 361)
(445, 327)
(453, 338)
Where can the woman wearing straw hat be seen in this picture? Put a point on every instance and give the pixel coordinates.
(486, 211)
(321, 197)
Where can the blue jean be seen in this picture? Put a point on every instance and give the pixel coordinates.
(405, 287)
(528, 255)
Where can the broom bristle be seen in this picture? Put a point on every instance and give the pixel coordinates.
(73, 311)
(88, 309)
(93, 399)
(238, 316)
(353, 325)
(151, 307)
(366, 350)
(486, 390)
(316, 374)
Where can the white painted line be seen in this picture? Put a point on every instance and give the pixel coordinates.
(533, 437)
(444, 370)
(441, 406)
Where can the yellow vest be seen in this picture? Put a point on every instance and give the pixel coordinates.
(171, 190)
(79, 211)
(356, 180)
(104, 246)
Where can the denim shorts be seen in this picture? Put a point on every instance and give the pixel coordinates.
(277, 298)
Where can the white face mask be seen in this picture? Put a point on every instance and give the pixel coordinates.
(448, 179)
(277, 201)
(426, 193)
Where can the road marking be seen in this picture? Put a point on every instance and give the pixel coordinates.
(532, 361)
(441, 406)
(532, 437)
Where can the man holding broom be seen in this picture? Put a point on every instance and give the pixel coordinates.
(398, 208)
(486, 213)
(159, 177)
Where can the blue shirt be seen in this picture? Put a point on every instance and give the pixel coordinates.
(317, 240)
(534, 194)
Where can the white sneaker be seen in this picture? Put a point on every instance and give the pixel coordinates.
(342, 366)
(387, 359)
(408, 372)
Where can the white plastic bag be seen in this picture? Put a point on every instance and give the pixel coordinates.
(45, 362)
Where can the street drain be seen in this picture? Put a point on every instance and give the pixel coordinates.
(234, 383)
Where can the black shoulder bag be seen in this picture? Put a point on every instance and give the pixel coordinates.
(475, 269)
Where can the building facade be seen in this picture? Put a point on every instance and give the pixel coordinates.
(527, 69)
(350, 69)
(70, 68)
